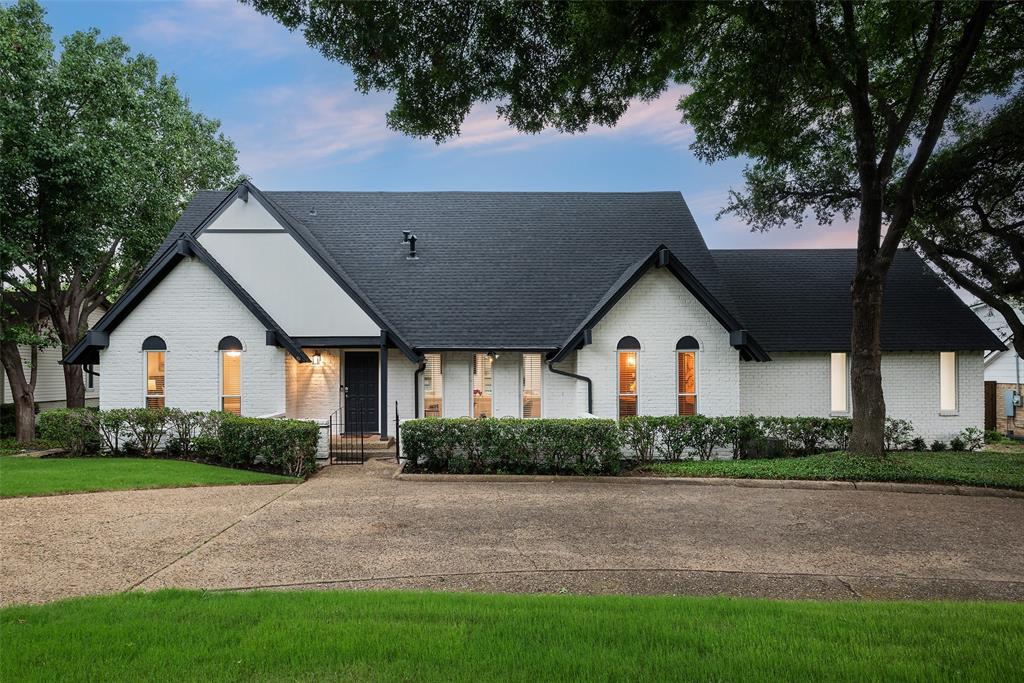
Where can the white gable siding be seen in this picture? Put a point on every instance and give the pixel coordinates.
(658, 310)
(192, 311)
(50, 391)
(1003, 368)
(794, 384)
(248, 215)
(290, 285)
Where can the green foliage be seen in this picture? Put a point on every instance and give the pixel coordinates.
(99, 154)
(186, 427)
(978, 468)
(112, 426)
(898, 434)
(514, 446)
(918, 444)
(7, 415)
(938, 446)
(285, 446)
(73, 429)
(972, 438)
(147, 426)
(957, 444)
(993, 436)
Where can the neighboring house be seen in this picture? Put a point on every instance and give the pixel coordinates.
(1004, 374)
(308, 304)
(50, 392)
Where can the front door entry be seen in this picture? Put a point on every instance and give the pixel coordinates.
(361, 399)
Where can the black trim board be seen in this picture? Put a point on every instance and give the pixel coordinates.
(339, 342)
(662, 257)
(312, 247)
(183, 247)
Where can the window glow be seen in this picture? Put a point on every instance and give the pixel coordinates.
(231, 382)
(483, 385)
(433, 386)
(947, 382)
(531, 384)
(155, 374)
(840, 404)
(627, 384)
(687, 382)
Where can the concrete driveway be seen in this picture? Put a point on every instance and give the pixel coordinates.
(356, 527)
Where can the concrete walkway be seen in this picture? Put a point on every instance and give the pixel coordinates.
(357, 527)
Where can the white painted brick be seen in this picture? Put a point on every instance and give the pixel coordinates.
(658, 310)
(192, 311)
(798, 384)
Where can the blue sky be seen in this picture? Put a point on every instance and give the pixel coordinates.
(299, 123)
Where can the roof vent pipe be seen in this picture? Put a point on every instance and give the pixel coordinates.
(312, 211)
(407, 236)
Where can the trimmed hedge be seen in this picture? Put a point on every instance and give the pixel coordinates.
(283, 446)
(594, 446)
(512, 446)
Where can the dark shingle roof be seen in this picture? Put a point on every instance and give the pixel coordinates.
(799, 300)
(496, 269)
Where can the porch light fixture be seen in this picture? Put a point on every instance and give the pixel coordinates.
(317, 358)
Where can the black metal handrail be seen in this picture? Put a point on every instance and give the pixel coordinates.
(348, 428)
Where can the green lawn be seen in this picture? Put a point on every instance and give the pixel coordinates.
(45, 476)
(373, 636)
(984, 468)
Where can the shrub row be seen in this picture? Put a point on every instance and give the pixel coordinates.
(592, 446)
(282, 446)
(512, 446)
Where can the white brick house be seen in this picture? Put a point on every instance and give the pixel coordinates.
(308, 304)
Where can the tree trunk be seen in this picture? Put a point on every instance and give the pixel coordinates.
(74, 386)
(22, 391)
(866, 362)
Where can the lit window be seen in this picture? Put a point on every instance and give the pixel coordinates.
(483, 385)
(531, 384)
(433, 386)
(231, 375)
(154, 349)
(840, 402)
(686, 371)
(947, 382)
(628, 352)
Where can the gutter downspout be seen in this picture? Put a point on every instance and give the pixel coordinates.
(416, 387)
(590, 384)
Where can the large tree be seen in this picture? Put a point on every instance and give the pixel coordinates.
(838, 105)
(970, 215)
(99, 154)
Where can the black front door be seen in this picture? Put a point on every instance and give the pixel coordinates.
(361, 400)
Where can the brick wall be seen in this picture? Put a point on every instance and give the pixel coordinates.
(658, 310)
(799, 384)
(313, 392)
(192, 310)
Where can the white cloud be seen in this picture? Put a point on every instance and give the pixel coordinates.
(209, 26)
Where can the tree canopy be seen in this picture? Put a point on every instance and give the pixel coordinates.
(99, 154)
(970, 216)
(838, 106)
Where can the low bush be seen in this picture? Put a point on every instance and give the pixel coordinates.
(972, 438)
(113, 427)
(938, 445)
(898, 434)
(957, 444)
(918, 444)
(514, 446)
(283, 446)
(186, 427)
(147, 427)
(73, 429)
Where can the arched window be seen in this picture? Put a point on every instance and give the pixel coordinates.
(154, 351)
(686, 374)
(230, 349)
(628, 359)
